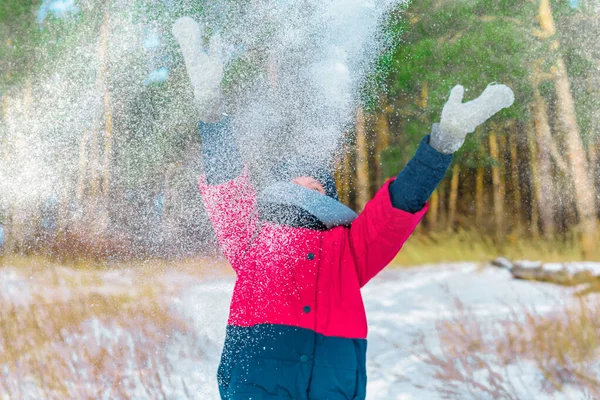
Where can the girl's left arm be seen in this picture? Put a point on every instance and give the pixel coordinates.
(388, 220)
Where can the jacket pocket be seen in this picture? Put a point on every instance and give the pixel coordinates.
(266, 377)
(332, 383)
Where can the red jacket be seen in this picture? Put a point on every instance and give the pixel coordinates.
(299, 277)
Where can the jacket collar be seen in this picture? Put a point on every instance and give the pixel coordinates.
(290, 204)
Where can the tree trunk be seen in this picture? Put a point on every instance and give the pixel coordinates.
(108, 144)
(83, 167)
(593, 157)
(534, 178)
(479, 184)
(383, 136)
(343, 174)
(443, 203)
(545, 18)
(498, 184)
(348, 177)
(545, 184)
(108, 123)
(94, 171)
(582, 183)
(432, 214)
(362, 162)
(28, 216)
(20, 224)
(424, 95)
(453, 196)
(9, 227)
(515, 181)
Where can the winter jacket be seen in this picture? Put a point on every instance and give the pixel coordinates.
(297, 327)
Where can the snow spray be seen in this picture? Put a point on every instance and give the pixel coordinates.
(88, 124)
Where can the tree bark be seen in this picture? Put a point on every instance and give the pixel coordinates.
(83, 167)
(582, 183)
(362, 162)
(424, 95)
(479, 185)
(432, 214)
(343, 174)
(578, 165)
(108, 122)
(498, 184)
(546, 19)
(443, 203)
(9, 226)
(108, 144)
(453, 196)
(515, 180)
(545, 184)
(593, 157)
(534, 182)
(348, 177)
(383, 136)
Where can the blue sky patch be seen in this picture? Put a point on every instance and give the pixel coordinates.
(58, 8)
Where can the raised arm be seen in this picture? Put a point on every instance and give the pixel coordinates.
(227, 191)
(388, 220)
(228, 194)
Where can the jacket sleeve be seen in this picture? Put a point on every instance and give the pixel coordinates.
(227, 191)
(220, 153)
(379, 232)
(417, 181)
(388, 220)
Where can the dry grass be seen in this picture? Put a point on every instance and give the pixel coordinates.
(142, 269)
(479, 361)
(82, 251)
(75, 244)
(440, 247)
(77, 334)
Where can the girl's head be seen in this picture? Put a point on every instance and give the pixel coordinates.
(307, 173)
(310, 183)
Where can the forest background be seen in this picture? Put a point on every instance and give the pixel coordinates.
(123, 136)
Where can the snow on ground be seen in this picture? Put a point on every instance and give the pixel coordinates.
(206, 305)
(402, 306)
(404, 309)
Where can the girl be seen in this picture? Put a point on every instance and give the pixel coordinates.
(297, 327)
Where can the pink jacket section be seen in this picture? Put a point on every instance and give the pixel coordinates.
(300, 277)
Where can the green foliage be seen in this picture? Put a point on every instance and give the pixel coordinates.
(471, 42)
(578, 35)
(391, 158)
(152, 123)
(17, 35)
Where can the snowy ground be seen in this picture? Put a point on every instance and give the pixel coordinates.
(404, 306)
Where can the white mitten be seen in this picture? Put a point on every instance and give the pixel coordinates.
(204, 68)
(460, 119)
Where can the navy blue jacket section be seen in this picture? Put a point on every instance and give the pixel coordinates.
(267, 362)
(220, 152)
(417, 181)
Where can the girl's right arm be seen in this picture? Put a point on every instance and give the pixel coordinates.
(227, 191)
(228, 194)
